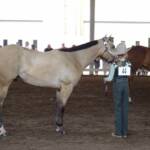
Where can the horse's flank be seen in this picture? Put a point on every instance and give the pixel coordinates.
(47, 69)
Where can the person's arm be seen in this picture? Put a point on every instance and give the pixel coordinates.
(129, 64)
(111, 73)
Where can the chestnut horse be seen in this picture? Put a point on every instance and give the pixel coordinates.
(139, 56)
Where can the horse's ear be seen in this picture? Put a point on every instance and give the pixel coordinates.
(104, 38)
(111, 38)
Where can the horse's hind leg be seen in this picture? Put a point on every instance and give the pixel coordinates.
(3, 94)
(62, 97)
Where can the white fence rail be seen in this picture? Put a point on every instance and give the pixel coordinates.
(105, 71)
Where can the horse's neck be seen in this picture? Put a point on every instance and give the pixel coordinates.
(85, 57)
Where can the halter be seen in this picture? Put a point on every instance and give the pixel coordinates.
(106, 50)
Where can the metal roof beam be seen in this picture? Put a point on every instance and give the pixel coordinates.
(92, 19)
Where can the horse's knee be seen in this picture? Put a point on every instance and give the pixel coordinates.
(65, 92)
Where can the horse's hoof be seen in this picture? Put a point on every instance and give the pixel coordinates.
(2, 131)
(3, 134)
(60, 130)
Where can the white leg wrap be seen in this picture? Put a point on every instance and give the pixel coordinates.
(2, 131)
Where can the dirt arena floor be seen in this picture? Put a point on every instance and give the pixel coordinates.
(89, 118)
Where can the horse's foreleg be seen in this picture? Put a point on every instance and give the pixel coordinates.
(2, 129)
(3, 94)
(59, 116)
(62, 97)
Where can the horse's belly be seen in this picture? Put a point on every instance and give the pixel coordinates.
(39, 81)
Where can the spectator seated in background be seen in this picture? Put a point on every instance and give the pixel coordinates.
(49, 48)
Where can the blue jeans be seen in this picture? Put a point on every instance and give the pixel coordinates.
(120, 95)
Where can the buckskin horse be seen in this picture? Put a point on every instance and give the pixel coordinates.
(60, 69)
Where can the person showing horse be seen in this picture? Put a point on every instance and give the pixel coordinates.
(119, 72)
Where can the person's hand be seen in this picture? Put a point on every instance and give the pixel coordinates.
(116, 59)
(105, 80)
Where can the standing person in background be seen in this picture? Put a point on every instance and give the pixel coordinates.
(63, 45)
(119, 72)
(48, 48)
(27, 44)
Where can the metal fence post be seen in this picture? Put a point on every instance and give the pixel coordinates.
(35, 43)
(137, 43)
(5, 42)
(92, 29)
(20, 42)
(149, 42)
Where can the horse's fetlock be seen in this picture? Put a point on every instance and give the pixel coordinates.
(60, 129)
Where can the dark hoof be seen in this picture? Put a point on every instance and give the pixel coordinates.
(3, 135)
(60, 130)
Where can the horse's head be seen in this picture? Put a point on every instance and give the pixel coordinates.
(107, 44)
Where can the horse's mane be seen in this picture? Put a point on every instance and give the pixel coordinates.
(80, 47)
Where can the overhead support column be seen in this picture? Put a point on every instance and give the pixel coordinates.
(92, 27)
(92, 19)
